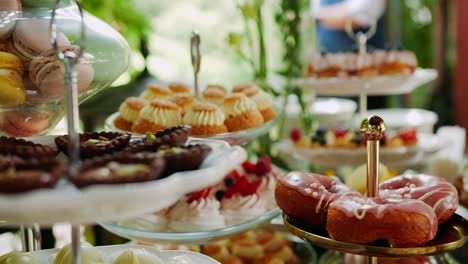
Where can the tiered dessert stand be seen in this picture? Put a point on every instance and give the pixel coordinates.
(451, 235)
(102, 203)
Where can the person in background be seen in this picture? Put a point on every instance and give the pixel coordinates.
(332, 18)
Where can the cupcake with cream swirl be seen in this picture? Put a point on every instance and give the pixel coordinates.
(205, 119)
(198, 212)
(157, 115)
(128, 113)
(241, 112)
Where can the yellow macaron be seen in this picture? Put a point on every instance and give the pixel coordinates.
(9, 61)
(12, 90)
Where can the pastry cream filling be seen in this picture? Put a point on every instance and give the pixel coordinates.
(262, 100)
(118, 170)
(127, 113)
(238, 107)
(215, 118)
(163, 117)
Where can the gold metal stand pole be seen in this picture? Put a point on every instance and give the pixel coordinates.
(372, 129)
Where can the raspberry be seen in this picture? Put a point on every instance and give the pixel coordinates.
(263, 166)
(250, 188)
(410, 135)
(199, 195)
(339, 133)
(235, 174)
(249, 167)
(295, 134)
(236, 188)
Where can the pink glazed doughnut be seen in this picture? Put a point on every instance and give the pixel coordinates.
(434, 191)
(362, 220)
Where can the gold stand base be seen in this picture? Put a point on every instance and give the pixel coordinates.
(450, 236)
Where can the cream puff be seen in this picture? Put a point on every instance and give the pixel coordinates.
(263, 101)
(157, 115)
(179, 88)
(128, 112)
(156, 92)
(205, 119)
(184, 100)
(241, 112)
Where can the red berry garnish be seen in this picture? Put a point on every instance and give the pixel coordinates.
(339, 133)
(235, 174)
(263, 166)
(236, 188)
(199, 195)
(251, 188)
(248, 166)
(410, 135)
(295, 134)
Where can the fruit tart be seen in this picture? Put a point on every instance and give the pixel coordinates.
(21, 175)
(118, 169)
(25, 149)
(95, 143)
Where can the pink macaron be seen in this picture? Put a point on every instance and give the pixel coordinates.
(9, 12)
(26, 123)
(31, 37)
(47, 72)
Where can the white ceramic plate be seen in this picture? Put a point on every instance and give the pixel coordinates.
(111, 252)
(379, 85)
(65, 203)
(400, 158)
(404, 118)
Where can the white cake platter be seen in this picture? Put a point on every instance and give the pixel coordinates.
(66, 203)
(378, 85)
(111, 252)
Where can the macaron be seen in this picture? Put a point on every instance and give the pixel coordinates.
(9, 11)
(47, 72)
(31, 37)
(26, 123)
(12, 90)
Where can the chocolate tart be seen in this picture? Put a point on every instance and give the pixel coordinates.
(21, 175)
(96, 143)
(25, 149)
(174, 136)
(183, 158)
(118, 169)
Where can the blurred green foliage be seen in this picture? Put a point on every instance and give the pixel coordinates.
(122, 15)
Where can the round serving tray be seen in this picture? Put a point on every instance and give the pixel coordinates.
(111, 252)
(189, 238)
(234, 138)
(66, 203)
(450, 236)
(379, 85)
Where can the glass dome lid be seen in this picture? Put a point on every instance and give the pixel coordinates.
(32, 85)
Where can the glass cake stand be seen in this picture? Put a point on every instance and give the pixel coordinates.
(189, 238)
(234, 138)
